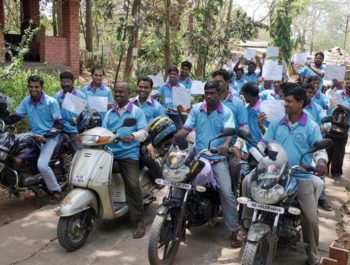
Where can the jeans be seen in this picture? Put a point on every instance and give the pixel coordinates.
(227, 198)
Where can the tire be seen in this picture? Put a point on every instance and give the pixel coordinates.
(73, 231)
(255, 253)
(161, 235)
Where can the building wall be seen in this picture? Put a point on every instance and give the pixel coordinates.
(54, 50)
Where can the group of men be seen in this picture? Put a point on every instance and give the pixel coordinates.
(230, 101)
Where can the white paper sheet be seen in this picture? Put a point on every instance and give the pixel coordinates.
(334, 99)
(73, 103)
(335, 72)
(182, 96)
(300, 58)
(249, 53)
(158, 80)
(135, 51)
(272, 51)
(273, 108)
(272, 71)
(197, 87)
(98, 103)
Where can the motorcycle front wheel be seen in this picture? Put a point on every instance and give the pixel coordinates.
(163, 243)
(73, 231)
(255, 253)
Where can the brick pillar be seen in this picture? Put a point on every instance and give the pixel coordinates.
(70, 21)
(2, 25)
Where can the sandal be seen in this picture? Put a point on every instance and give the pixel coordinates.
(140, 230)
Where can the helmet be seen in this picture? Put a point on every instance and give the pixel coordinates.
(88, 119)
(161, 130)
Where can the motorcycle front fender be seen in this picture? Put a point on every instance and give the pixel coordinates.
(165, 208)
(78, 200)
(258, 231)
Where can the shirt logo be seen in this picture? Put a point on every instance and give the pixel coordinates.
(299, 137)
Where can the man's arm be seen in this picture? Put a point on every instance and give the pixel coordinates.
(10, 118)
(314, 69)
(294, 70)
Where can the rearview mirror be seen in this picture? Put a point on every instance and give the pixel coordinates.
(129, 122)
(244, 133)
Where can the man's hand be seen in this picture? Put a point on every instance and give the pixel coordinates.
(73, 121)
(223, 150)
(150, 150)
(110, 105)
(308, 64)
(236, 152)
(128, 139)
(40, 139)
(322, 168)
(261, 118)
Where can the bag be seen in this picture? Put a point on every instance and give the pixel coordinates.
(340, 124)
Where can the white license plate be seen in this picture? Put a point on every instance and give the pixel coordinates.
(185, 186)
(265, 207)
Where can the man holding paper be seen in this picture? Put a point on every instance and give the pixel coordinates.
(251, 75)
(96, 89)
(70, 108)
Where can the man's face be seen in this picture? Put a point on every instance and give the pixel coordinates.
(144, 89)
(248, 98)
(121, 94)
(318, 60)
(223, 84)
(35, 89)
(251, 68)
(267, 83)
(277, 86)
(291, 105)
(316, 84)
(185, 71)
(310, 93)
(97, 77)
(172, 77)
(67, 85)
(212, 97)
(239, 74)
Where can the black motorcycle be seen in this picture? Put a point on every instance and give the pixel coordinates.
(18, 163)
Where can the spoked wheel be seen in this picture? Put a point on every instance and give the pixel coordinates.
(163, 243)
(73, 231)
(256, 253)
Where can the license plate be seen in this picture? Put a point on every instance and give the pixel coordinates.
(185, 186)
(265, 207)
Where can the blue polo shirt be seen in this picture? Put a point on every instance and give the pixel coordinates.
(102, 91)
(166, 92)
(237, 84)
(238, 109)
(187, 83)
(296, 140)
(306, 72)
(253, 78)
(208, 126)
(315, 111)
(321, 100)
(253, 113)
(66, 114)
(269, 95)
(151, 108)
(41, 115)
(113, 122)
(345, 102)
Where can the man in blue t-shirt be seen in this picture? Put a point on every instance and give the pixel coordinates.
(127, 150)
(184, 77)
(46, 124)
(208, 119)
(70, 129)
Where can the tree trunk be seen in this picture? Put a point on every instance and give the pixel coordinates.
(167, 51)
(54, 17)
(133, 36)
(88, 40)
(59, 17)
(229, 11)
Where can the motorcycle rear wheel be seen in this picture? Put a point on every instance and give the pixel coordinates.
(255, 253)
(162, 249)
(73, 231)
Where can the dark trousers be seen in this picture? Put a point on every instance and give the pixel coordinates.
(154, 168)
(336, 155)
(129, 169)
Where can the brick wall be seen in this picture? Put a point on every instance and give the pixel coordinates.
(54, 50)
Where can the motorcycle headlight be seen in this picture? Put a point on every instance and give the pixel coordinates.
(267, 196)
(94, 139)
(3, 155)
(175, 175)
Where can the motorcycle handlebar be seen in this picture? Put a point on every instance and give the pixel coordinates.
(215, 150)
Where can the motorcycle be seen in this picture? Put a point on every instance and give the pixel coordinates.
(18, 163)
(192, 200)
(273, 191)
(97, 188)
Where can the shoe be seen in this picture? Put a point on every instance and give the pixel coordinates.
(237, 237)
(140, 230)
(56, 198)
(323, 204)
(337, 176)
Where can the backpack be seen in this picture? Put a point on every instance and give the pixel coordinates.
(340, 124)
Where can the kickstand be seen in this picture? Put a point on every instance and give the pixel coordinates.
(37, 199)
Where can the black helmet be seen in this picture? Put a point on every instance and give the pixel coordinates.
(88, 119)
(161, 130)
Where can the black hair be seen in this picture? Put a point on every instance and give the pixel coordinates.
(145, 79)
(250, 89)
(213, 84)
(239, 69)
(320, 54)
(186, 64)
(293, 89)
(307, 86)
(67, 75)
(221, 72)
(312, 79)
(97, 67)
(36, 78)
(252, 63)
(173, 69)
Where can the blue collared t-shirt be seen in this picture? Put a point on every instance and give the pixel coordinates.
(269, 95)
(166, 92)
(315, 111)
(151, 108)
(102, 91)
(237, 84)
(208, 126)
(187, 83)
(321, 100)
(238, 109)
(297, 140)
(41, 115)
(253, 78)
(66, 114)
(306, 72)
(113, 122)
(253, 113)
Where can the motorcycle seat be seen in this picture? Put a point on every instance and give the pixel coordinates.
(31, 180)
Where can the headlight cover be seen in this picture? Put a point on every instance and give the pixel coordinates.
(94, 139)
(175, 175)
(267, 196)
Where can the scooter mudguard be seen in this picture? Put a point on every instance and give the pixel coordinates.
(258, 231)
(78, 200)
